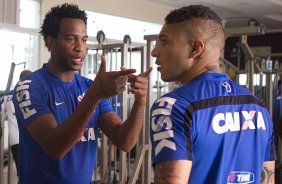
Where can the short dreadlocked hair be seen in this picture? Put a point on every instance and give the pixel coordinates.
(52, 20)
(210, 25)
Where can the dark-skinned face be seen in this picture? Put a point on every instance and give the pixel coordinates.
(68, 50)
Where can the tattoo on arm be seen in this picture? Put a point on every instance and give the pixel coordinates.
(106, 122)
(170, 172)
(163, 169)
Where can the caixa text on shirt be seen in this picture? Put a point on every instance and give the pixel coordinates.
(87, 134)
(237, 121)
(23, 97)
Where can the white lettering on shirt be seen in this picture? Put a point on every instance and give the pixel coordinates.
(23, 97)
(89, 134)
(230, 121)
(163, 122)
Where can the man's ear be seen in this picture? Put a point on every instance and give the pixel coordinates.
(49, 42)
(197, 48)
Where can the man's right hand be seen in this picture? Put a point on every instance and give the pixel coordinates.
(108, 84)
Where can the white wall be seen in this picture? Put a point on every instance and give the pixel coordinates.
(134, 9)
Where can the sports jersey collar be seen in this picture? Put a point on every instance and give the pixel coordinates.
(211, 76)
(46, 69)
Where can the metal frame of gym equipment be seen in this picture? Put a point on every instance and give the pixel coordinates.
(252, 68)
(114, 52)
(143, 159)
(2, 119)
(255, 68)
(144, 156)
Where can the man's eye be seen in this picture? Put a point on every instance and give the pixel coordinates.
(159, 41)
(163, 41)
(84, 40)
(71, 39)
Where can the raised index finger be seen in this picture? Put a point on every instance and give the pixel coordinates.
(146, 73)
(124, 72)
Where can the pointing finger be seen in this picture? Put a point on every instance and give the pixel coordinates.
(122, 68)
(130, 76)
(103, 65)
(124, 72)
(146, 73)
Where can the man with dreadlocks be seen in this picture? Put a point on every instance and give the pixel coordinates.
(211, 130)
(59, 111)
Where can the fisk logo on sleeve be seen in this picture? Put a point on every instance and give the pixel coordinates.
(163, 122)
(23, 97)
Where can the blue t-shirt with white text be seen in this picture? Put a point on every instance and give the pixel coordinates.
(42, 93)
(218, 125)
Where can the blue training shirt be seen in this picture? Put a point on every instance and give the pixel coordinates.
(42, 93)
(220, 126)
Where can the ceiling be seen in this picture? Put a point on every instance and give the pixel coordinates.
(237, 13)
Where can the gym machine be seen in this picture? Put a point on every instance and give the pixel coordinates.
(261, 65)
(114, 166)
(3, 118)
(156, 88)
